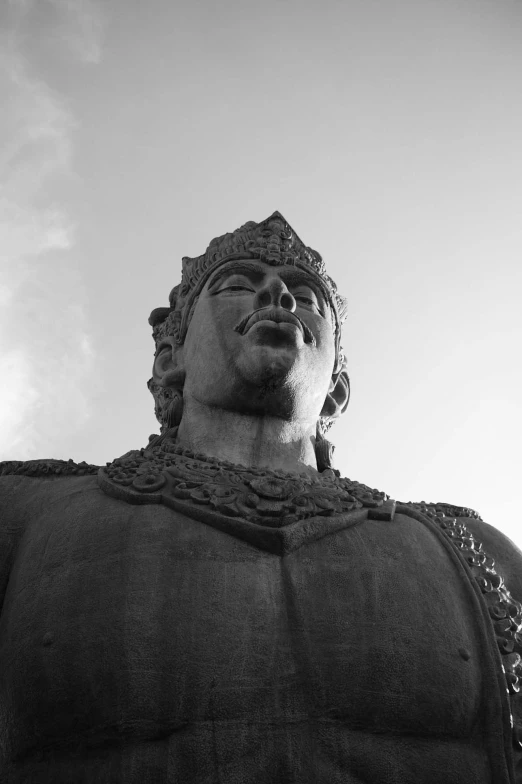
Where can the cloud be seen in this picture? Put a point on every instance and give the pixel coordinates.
(46, 353)
(15, 425)
(35, 145)
(80, 26)
(76, 24)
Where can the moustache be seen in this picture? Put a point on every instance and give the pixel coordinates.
(279, 316)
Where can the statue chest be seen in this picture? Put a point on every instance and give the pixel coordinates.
(135, 623)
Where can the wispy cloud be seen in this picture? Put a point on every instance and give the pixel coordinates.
(80, 26)
(45, 349)
(77, 24)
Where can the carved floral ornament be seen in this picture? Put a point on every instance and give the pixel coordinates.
(270, 498)
(275, 499)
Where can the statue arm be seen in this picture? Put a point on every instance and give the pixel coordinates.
(508, 564)
(507, 556)
(22, 498)
(12, 525)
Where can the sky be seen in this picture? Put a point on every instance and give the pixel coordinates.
(387, 132)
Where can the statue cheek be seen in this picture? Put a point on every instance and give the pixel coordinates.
(221, 317)
(325, 340)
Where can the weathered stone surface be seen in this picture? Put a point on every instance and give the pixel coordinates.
(222, 605)
(141, 645)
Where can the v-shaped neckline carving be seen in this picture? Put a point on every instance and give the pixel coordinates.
(272, 510)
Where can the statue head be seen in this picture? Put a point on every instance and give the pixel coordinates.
(254, 326)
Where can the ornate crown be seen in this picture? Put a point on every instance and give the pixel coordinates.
(272, 241)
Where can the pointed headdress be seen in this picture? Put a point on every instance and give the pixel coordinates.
(273, 241)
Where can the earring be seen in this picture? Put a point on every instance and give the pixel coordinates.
(172, 408)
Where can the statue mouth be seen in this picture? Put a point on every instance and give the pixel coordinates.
(278, 316)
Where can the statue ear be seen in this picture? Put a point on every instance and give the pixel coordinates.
(168, 369)
(338, 396)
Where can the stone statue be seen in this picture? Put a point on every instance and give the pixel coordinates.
(222, 606)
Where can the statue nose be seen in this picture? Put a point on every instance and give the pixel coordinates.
(275, 294)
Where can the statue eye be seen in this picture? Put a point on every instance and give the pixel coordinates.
(237, 287)
(309, 299)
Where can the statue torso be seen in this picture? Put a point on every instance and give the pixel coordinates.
(140, 645)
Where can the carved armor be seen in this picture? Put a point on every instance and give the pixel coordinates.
(248, 625)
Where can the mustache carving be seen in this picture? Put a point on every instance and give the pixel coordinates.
(279, 316)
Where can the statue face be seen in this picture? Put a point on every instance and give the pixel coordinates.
(261, 339)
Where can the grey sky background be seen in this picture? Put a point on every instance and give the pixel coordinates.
(387, 133)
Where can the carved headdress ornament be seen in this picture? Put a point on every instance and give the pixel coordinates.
(273, 241)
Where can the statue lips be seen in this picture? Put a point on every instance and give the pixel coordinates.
(277, 316)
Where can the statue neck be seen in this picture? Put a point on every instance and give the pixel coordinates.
(248, 440)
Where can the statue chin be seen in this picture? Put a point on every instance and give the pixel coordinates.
(269, 368)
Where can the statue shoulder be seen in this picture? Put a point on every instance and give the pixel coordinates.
(441, 507)
(46, 468)
(505, 553)
(26, 485)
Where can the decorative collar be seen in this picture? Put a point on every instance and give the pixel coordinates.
(273, 510)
